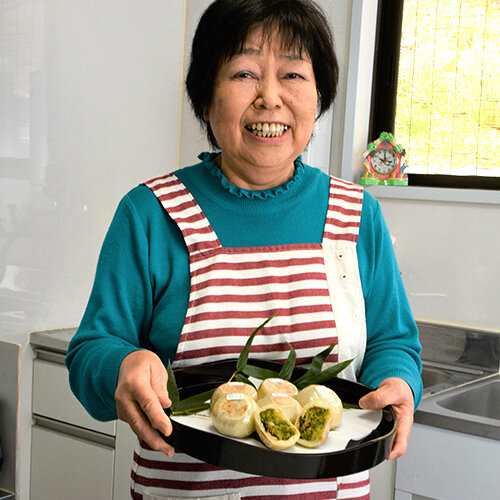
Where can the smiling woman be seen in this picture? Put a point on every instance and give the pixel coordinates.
(193, 260)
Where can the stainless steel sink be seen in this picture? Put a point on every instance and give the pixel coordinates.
(434, 376)
(483, 401)
(471, 408)
(461, 380)
(437, 379)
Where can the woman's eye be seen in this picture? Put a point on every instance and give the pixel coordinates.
(293, 76)
(243, 75)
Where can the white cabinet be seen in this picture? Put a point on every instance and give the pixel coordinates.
(73, 455)
(446, 465)
(52, 398)
(64, 466)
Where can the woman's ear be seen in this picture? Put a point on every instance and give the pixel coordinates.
(318, 107)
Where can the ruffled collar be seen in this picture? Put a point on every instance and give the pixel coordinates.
(208, 160)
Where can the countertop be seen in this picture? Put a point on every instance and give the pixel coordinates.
(432, 412)
(442, 346)
(53, 340)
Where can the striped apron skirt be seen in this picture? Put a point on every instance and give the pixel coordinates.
(314, 290)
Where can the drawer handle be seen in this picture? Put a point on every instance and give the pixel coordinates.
(74, 431)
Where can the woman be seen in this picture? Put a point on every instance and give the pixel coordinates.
(195, 260)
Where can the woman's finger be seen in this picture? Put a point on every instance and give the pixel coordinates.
(141, 396)
(159, 386)
(151, 407)
(140, 425)
(392, 391)
(400, 440)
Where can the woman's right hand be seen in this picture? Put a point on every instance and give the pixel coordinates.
(141, 395)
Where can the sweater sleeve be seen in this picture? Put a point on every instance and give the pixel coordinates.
(118, 311)
(393, 348)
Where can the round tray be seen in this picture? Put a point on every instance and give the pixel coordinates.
(216, 449)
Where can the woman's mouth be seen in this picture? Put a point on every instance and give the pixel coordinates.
(264, 129)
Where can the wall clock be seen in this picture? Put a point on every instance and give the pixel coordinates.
(384, 163)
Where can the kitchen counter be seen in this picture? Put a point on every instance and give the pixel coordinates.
(53, 340)
(432, 410)
(461, 380)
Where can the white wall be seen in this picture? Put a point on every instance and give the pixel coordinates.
(448, 255)
(89, 107)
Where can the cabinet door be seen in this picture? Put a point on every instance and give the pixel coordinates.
(52, 397)
(64, 466)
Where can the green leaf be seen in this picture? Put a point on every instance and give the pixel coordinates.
(193, 404)
(317, 364)
(241, 377)
(350, 406)
(173, 392)
(287, 370)
(327, 374)
(191, 410)
(260, 373)
(243, 358)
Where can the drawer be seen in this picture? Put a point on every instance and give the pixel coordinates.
(63, 466)
(52, 398)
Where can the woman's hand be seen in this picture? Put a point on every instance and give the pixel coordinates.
(141, 395)
(396, 392)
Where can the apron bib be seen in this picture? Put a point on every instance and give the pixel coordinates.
(314, 290)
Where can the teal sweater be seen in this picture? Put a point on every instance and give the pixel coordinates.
(141, 288)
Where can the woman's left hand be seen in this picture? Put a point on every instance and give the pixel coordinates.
(396, 392)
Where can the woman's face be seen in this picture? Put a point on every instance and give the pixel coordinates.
(262, 112)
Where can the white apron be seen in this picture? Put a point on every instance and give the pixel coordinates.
(315, 292)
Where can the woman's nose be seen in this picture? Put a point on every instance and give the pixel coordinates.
(268, 94)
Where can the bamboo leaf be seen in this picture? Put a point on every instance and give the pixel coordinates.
(287, 370)
(191, 410)
(319, 378)
(241, 377)
(350, 406)
(260, 373)
(243, 358)
(194, 403)
(173, 392)
(317, 364)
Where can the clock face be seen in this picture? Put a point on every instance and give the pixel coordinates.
(384, 161)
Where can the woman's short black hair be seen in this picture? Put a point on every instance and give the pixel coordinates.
(224, 27)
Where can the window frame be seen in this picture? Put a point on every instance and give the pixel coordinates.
(384, 97)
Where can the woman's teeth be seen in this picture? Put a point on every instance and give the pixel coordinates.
(267, 129)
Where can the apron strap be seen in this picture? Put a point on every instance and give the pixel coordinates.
(185, 211)
(342, 271)
(344, 211)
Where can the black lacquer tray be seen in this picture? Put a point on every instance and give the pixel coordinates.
(241, 456)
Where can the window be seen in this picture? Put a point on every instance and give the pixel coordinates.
(437, 88)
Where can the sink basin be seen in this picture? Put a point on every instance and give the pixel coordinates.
(482, 401)
(433, 376)
(436, 379)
